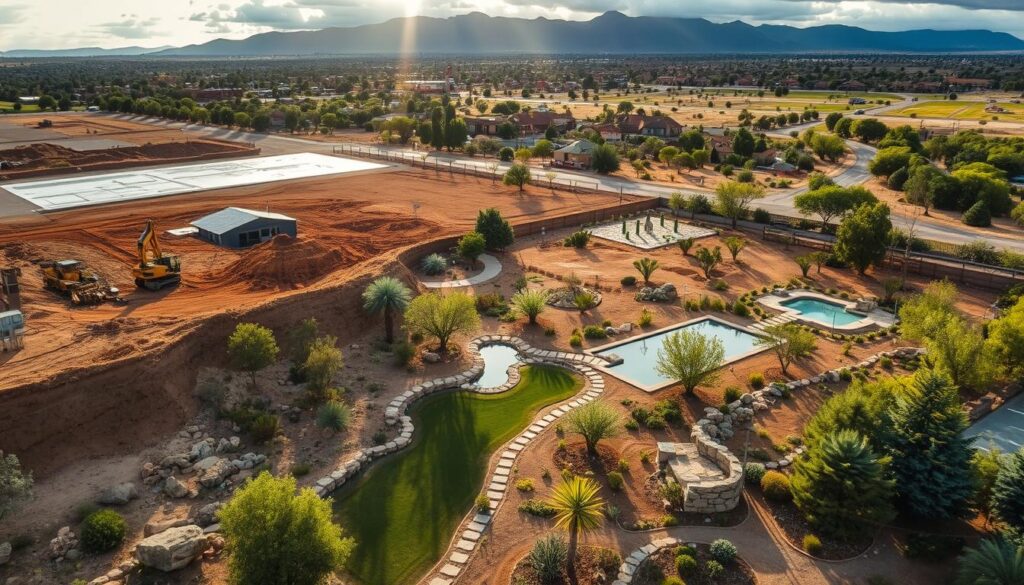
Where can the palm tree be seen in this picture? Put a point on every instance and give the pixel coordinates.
(577, 508)
(646, 267)
(994, 562)
(389, 295)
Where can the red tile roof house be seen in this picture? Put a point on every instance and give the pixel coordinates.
(642, 125)
(537, 121)
(720, 147)
(483, 125)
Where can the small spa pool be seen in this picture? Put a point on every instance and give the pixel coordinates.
(822, 312)
(497, 359)
(640, 355)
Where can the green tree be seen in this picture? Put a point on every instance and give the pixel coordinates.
(957, 348)
(788, 342)
(985, 466)
(994, 562)
(578, 508)
(733, 199)
(543, 148)
(15, 485)
(843, 128)
(437, 128)
(495, 229)
(646, 268)
(1008, 492)
(889, 160)
(402, 127)
(930, 456)
(841, 487)
(251, 348)
(604, 159)
(743, 143)
(676, 201)
(667, 153)
(442, 316)
(922, 315)
(863, 407)
(735, 244)
(804, 262)
(387, 295)
(1006, 339)
(831, 120)
(518, 174)
(278, 536)
(708, 259)
(322, 363)
(862, 237)
(691, 359)
(828, 147)
(919, 188)
(594, 421)
(242, 120)
(456, 133)
(832, 201)
(869, 129)
(531, 303)
(701, 156)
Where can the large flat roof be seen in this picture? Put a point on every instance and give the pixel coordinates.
(67, 193)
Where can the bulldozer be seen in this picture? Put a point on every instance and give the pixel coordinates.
(75, 280)
(155, 269)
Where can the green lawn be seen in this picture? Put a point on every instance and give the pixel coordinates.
(960, 110)
(8, 107)
(404, 511)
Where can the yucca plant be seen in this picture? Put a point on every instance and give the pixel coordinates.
(333, 415)
(583, 301)
(387, 295)
(994, 562)
(684, 245)
(578, 508)
(646, 267)
(548, 557)
(530, 303)
(594, 421)
(708, 259)
(434, 264)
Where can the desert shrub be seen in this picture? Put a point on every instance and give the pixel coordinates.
(845, 375)
(627, 281)
(756, 380)
(594, 332)
(775, 486)
(762, 216)
(720, 285)
(932, 547)
(673, 580)
(978, 215)
(668, 410)
(103, 531)
(608, 560)
(713, 569)
(615, 481)
(754, 472)
(622, 466)
(656, 422)
(885, 362)
(403, 351)
(264, 427)
(648, 573)
(333, 415)
(723, 551)
(483, 503)
(740, 309)
(732, 394)
(434, 264)
(535, 508)
(672, 492)
(812, 544)
(300, 469)
(631, 425)
(684, 549)
(646, 317)
(548, 556)
(686, 565)
(578, 239)
(524, 485)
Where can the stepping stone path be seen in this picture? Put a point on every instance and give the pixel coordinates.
(468, 535)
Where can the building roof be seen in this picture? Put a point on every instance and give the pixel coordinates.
(578, 147)
(229, 218)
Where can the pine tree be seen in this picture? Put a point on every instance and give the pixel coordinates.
(842, 486)
(1008, 492)
(436, 129)
(931, 459)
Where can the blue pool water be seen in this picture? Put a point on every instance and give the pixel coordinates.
(822, 311)
(640, 356)
(497, 359)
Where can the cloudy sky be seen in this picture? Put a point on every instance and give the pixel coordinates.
(47, 24)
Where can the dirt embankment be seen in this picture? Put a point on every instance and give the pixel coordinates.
(45, 158)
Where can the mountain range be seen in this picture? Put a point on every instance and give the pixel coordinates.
(609, 33)
(83, 52)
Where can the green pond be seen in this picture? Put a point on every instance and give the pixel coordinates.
(405, 509)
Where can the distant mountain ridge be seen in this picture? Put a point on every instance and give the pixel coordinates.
(610, 33)
(83, 52)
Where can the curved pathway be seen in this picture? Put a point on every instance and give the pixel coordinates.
(492, 268)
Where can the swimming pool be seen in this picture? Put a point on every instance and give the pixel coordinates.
(497, 360)
(823, 312)
(639, 355)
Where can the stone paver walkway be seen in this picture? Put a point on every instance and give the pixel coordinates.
(492, 268)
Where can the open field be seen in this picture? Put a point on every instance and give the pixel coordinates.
(961, 110)
(25, 108)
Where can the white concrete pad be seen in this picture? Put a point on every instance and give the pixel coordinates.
(67, 193)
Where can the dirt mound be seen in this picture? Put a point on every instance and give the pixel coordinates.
(285, 263)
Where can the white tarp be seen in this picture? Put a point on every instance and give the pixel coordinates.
(54, 194)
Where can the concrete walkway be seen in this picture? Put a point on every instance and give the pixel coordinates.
(492, 268)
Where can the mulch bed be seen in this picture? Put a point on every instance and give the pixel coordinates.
(736, 573)
(794, 526)
(576, 458)
(594, 566)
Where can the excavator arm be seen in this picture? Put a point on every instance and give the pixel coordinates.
(149, 247)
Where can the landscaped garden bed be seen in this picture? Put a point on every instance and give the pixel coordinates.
(702, 568)
(594, 566)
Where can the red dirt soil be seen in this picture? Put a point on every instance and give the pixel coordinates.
(286, 263)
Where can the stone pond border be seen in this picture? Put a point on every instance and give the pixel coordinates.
(470, 531)
(636, 558)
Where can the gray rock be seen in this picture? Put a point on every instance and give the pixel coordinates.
(200, 450)
(73, 555)
(175, 488)
(180, 461)
(65, 541)
(206, 463)
(172, 549)
(207, 515)
(217, 473)
(431, 357)
(5, 552)
(119, 494)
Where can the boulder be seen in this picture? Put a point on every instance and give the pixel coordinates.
(431, 357)
(180, 460)
(172, 549)
(207, 515)
(5, 552)
(119, 494)
(157, 526)
(64, 542)
(665, 292)
(217, 473)
(200, 450)
(206, 463)
(175, 488)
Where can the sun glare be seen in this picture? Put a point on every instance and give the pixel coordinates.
(412, 7)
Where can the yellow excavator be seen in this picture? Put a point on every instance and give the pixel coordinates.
(74, 279)
(155, 269)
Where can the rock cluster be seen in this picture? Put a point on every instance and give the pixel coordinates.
(64, 545)
(208, 461)
(173, 548)
(664, 293)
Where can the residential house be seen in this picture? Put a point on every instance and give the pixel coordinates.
(719, 147)
(483, 125)
(538, 121)
(643, 125)
(852, 85)
(577, 155)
